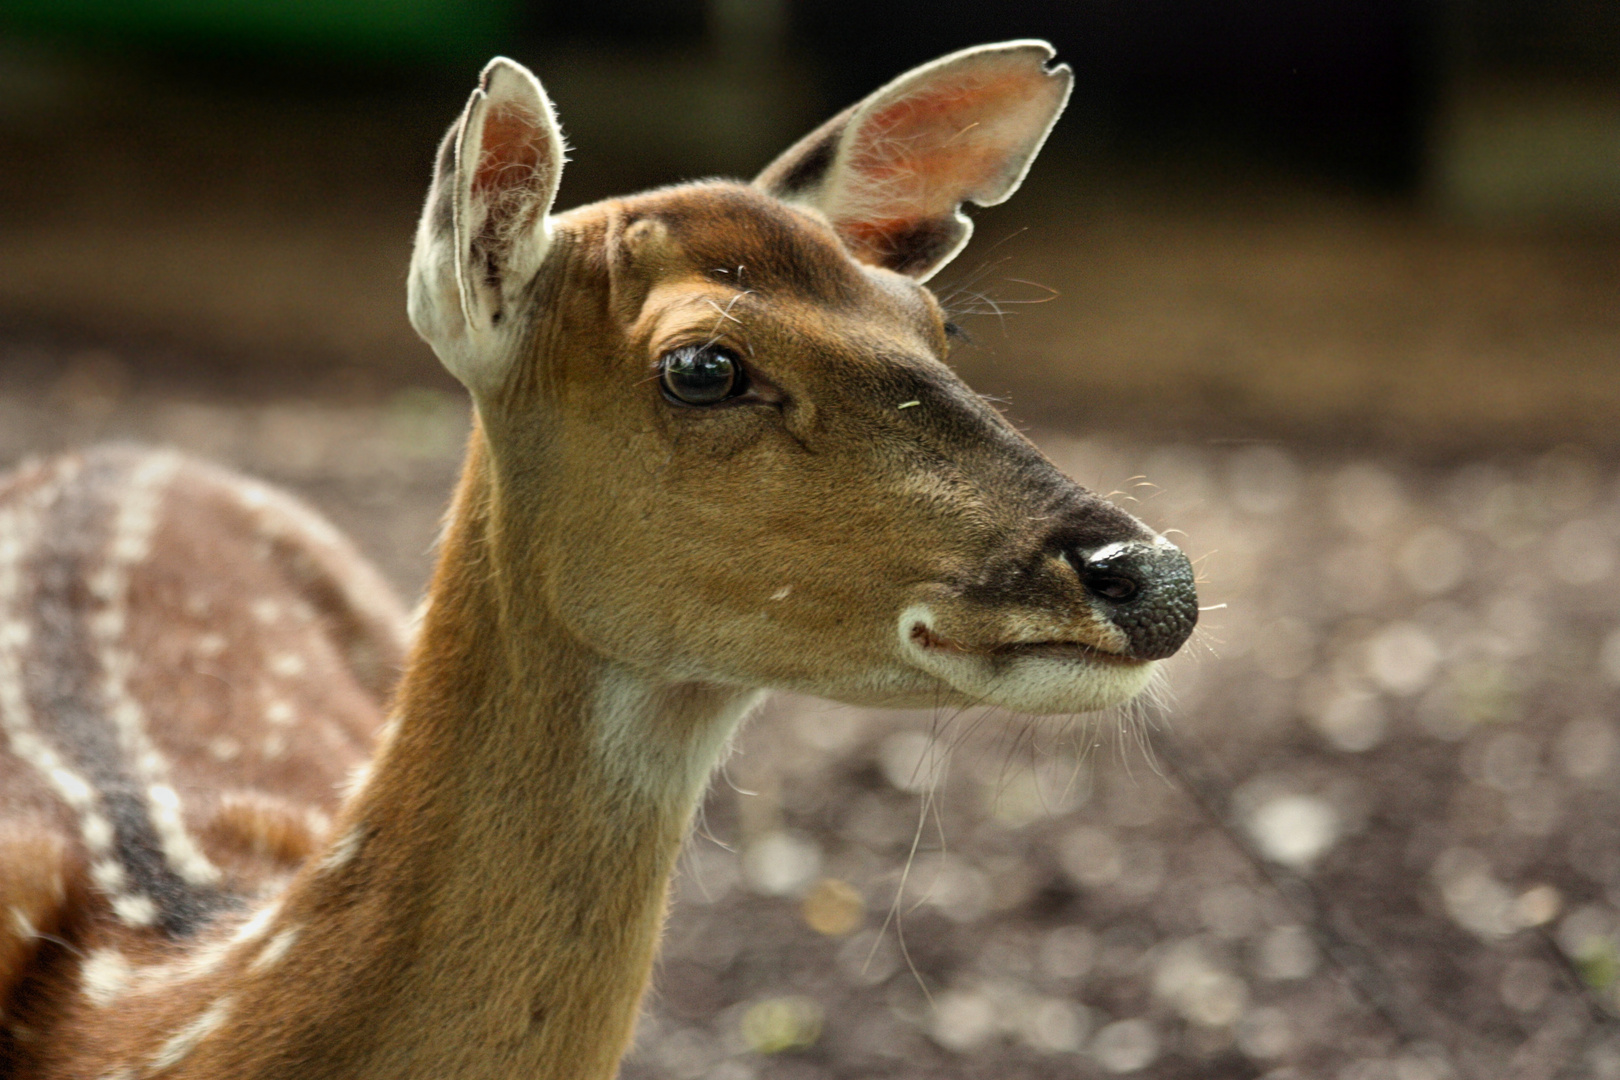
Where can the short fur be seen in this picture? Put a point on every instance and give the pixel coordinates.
(190, 663)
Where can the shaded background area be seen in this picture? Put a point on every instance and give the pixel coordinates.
(1333, 288)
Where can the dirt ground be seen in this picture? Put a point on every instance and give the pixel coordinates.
(1371, 831)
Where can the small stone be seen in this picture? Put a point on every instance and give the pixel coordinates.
(781, 864)
(911, 761)
(1126, 1046)
(951, 885)
(834, 908)
(963, 1020)
(1353, 720)
(1473, 897)
(1295, 830)
(1200, 990)
(1055, 1026)
(782, 1023)
(1402, 658)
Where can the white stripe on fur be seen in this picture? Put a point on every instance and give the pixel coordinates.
(186, 1039)
(137, 518)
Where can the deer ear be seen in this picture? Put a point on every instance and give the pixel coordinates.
(483, 234)
(893, 171)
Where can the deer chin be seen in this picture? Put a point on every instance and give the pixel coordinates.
(1040, 677)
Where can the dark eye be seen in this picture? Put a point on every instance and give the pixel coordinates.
(702, 374)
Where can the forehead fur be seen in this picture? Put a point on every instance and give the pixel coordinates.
(742, 237)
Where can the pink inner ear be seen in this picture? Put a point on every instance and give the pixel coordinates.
(928, 152)
(513, 162)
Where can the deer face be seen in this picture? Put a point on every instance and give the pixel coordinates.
(720, 415)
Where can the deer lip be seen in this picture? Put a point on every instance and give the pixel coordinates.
(1047, 650)
(1065, 650)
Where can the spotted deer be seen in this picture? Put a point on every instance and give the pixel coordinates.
(716, 450)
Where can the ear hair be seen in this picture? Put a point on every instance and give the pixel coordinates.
(483, 233)
(892, 172)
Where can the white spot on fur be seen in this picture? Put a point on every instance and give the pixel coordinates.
(21, 923)
(186, 1039)
(135, 909)
(256, 925)
(287, 665)
(225, 748)
(207, 958)
(275, 744)
(107, 624)
(418, 616)
(345, 851)
(109, 876)
(387, 733)
(97, 831)
(208, 646)
(357, 779)
(104, 975)
(265, 610)
(274, 950)
(279, 712)
(782, 593)
(74, 789)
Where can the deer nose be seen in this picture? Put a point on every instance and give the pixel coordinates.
(1145, 589)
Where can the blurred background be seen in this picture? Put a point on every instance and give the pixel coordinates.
(1332, 288)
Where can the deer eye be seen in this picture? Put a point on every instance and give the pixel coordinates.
(702, 374)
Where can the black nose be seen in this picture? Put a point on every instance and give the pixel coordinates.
(1146, 590)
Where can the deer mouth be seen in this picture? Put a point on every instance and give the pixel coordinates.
(1041, 675)
(925, 638)
(1065, 650)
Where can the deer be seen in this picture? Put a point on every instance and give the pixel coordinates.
(257, 823)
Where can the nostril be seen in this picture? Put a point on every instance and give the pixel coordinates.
(1115, 587)
(1111, 572)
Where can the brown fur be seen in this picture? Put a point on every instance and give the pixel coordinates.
(619, 575)
(261, 826)
(39, 874)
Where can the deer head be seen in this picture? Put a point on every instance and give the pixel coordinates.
(718, 430)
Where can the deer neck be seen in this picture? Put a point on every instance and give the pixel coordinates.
(499, 881)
